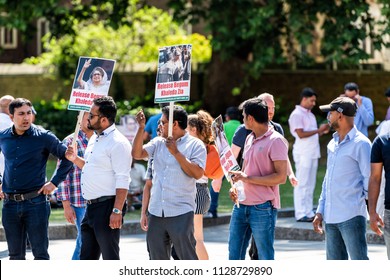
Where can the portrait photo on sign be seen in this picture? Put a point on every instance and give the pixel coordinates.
(174, 64)
(94, 75)
(128, 126)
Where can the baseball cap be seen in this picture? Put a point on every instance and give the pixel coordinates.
(343, 105)
(351, 86)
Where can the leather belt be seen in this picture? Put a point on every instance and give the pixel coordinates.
(18, 197)
(100, 199)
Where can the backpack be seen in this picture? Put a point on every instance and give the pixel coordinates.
(213, 168)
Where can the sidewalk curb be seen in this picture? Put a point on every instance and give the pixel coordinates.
(288, 230)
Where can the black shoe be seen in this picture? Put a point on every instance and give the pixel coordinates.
(306, 220)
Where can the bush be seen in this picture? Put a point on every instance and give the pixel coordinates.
(54, 115)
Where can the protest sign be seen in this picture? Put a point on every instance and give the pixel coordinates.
(92, 80)
(173, 77)
(227, 159)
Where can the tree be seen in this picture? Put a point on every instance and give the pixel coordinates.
(128, 44)
(248, 36)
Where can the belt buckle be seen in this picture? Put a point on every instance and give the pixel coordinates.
(18, 197)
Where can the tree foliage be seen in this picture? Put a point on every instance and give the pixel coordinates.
(251, 35)
(279, 31)
(138, 41)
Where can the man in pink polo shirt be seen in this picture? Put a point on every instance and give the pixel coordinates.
(264, 168)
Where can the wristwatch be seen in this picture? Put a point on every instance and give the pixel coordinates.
(116, 211)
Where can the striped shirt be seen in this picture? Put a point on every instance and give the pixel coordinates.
(70, 188)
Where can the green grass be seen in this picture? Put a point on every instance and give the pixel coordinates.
(225, 204)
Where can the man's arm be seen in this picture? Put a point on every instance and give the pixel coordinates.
(373, 194)
(235, 150)
(275, 178)
(366, 111)
(323, 129)
(116, 219)
(192, 169)
(138, 152)
(145, 204)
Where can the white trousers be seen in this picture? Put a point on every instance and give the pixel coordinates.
(306, 172)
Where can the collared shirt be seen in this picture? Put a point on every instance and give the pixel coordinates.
(259, 155)
(26, 156)
(107, 164)
(173, 191)
(70, 188)
(241, 133)
(364, 115)
(380, 153)
(302, 118)
(345, 185)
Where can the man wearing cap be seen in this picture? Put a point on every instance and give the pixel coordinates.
(365, 113)
(342, 204)
(306, 152)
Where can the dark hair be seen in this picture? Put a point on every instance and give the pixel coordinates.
(179, 114)
(17, 103)
(257, 108)
(351, 86)
(107, 107)
(233, 113)
(308, 92)
(387, 92)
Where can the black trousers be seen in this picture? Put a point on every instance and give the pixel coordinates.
(97, 238)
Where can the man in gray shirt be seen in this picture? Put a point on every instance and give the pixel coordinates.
(179, 160)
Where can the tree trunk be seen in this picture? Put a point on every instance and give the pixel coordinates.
(221, 78)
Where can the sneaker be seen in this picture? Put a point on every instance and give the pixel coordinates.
(210, 214)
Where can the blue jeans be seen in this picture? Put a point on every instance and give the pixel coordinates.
(214, 200)
(80, 212)
(258, 220)
(386, 231)
(27, 217)
(345, 238)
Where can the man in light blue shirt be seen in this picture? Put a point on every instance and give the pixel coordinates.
(178, 161)
(342, 204)
(365, 113)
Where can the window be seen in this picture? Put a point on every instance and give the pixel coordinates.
(42, 29)
(9, 38)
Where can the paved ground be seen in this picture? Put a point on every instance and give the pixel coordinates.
(133, 247)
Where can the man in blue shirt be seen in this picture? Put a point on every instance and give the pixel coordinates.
(26, 207)
(342, 204)
(365, 112)
(178, 161)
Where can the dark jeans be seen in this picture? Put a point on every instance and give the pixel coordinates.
(214, 201)
(27, 217)
(97, 238)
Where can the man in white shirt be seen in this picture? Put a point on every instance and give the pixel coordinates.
(306, 152)
(104, 182)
